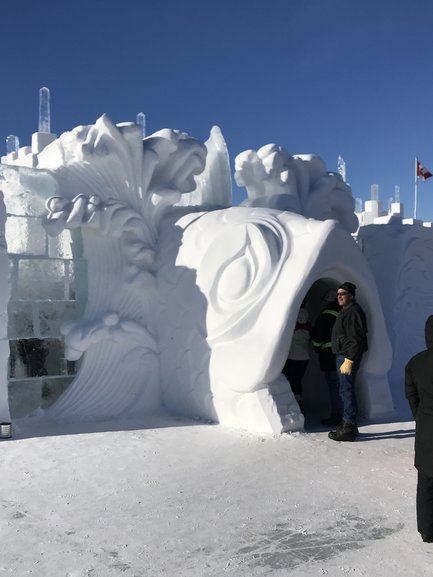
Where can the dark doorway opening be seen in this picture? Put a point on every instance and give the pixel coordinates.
(315, 395)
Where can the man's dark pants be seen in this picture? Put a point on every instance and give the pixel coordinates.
(347, 391)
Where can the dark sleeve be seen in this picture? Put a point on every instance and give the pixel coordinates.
(411, 389)
(356, 335)
(318, 333)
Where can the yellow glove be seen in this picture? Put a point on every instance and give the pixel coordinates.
(346, 367)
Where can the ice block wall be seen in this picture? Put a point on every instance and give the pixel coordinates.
(44, 293)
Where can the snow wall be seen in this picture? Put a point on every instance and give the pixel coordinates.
(173, 306)
(401, 259)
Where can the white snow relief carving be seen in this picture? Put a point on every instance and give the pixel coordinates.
(115, 187)
(275, 179)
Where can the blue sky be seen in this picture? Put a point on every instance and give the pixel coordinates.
(329, 77)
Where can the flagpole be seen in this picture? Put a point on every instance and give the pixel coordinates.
(416, 188)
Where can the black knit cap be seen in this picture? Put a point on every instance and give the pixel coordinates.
(349, 287)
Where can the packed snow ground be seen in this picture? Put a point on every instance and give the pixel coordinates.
(170, 497)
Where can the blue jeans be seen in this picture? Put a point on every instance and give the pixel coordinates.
(347, 391)
(332, 380)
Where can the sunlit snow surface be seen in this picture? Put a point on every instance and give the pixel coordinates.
(168, 497)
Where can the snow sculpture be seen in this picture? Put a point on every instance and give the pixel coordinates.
(191, 309)
(300, 184)
(246, 272)
(124, 184)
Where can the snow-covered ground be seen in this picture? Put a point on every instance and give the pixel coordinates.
(170, 497)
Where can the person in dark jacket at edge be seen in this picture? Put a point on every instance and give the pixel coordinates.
(419, 393)
(349, 343)
(321, 341)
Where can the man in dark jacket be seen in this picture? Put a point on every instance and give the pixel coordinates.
(349, 343)
(419, 393)
(321, 341)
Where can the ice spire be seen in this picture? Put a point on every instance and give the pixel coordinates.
(396, 193)
(44, 110)
(12, 143)
(141, 121)
(374, 192)
(341, 167)
(358, 204)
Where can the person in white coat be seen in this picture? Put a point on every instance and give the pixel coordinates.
(299, 353)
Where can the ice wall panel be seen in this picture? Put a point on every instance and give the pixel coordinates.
(25, 235)
(20, 317)
(52, 314)
(35, 357)
(24, 397)
(42, 278)
(60, 246)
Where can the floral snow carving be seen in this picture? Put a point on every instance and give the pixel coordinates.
(275, 179)
(80, 336)
(131, 183)
(115, 186)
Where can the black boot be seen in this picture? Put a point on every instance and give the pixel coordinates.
(355, 428)
(346, 432)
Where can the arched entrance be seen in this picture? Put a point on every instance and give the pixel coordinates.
(315, 397)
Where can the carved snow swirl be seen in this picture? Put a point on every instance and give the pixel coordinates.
(239, 267)
(110, 218)
(275, 179)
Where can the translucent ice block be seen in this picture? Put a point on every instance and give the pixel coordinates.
(60, 246)
(53, 314)
(41, 279)
(25, 235)
(24, 397)
(20, 319)
(26, 189)
(12, 143)
(33, 358)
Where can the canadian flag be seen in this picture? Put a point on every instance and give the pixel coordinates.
(422, 172)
